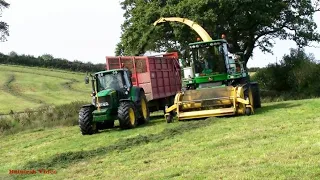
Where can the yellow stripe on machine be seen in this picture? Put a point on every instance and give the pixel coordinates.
(209, 102)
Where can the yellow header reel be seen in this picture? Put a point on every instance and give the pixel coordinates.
(209, 102)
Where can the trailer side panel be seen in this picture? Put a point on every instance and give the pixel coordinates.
(159, 76)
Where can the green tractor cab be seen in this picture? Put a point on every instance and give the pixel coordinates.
(113, 98)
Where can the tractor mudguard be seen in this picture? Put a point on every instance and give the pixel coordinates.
(123, 100)
(88, 105)
(135, 93)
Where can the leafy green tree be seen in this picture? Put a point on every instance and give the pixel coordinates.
(248, 24)
(13, 54)
(296, 74)
(4, 27)
(47, 57)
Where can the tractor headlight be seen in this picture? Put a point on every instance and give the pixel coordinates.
(103, 101)
(104, 104)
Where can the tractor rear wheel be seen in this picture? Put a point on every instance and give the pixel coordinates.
(144, 113)
(127, 115)
(87, 127)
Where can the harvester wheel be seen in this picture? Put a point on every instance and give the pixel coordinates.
(127, 115)
(169, 118)
(86, 124)
(256, 95)
(105, 125)
(144, 112)
(248, 111)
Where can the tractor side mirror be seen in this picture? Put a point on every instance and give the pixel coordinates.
(86, 80)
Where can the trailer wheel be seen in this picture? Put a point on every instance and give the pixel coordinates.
(144, 113)
(87, 127)
(127, 115)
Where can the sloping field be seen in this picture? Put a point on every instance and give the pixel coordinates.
(282, 141)
(25, 87)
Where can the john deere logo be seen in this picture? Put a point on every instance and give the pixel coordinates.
(210, 79)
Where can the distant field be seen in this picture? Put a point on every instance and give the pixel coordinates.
(27, 87)
(281, 141)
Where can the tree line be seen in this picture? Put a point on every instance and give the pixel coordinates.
(246, 24)
(296, 76)
(48, 61)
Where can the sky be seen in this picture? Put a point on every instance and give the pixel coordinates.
(87, 31)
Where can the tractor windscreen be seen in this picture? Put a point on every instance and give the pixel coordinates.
(209, 59)
(110, 81)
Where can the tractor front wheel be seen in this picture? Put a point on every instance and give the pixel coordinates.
(87, 127)
(127, 115)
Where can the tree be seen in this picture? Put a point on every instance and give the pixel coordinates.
(47, 57)
(4, 27)
(13, 54)
(247, 24)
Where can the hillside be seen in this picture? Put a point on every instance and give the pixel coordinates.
(31, 87)
(281, 141)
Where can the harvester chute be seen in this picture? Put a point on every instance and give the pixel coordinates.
(196, 27)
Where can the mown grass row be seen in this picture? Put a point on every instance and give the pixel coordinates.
(25, 87)
(63, 75)
(9, 89)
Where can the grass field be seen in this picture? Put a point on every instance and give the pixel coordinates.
(281, 141)
(25, 87)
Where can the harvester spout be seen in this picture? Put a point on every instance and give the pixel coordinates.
(196, 27)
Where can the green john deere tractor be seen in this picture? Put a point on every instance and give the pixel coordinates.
(113, 98)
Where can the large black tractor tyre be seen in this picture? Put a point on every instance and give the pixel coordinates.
(105, 125)
(87, 127)
(144, 113)
(256, 95)
(127, 115)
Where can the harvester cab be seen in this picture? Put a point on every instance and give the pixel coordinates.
(216, 81)
(113, 97)
(211, 64)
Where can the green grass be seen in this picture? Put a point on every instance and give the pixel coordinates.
(26, 87)
(281, 141)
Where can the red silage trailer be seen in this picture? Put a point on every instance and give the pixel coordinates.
(160, 77)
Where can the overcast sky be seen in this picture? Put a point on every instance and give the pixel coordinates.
(85, 30)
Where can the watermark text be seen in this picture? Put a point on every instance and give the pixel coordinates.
(32, 171)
